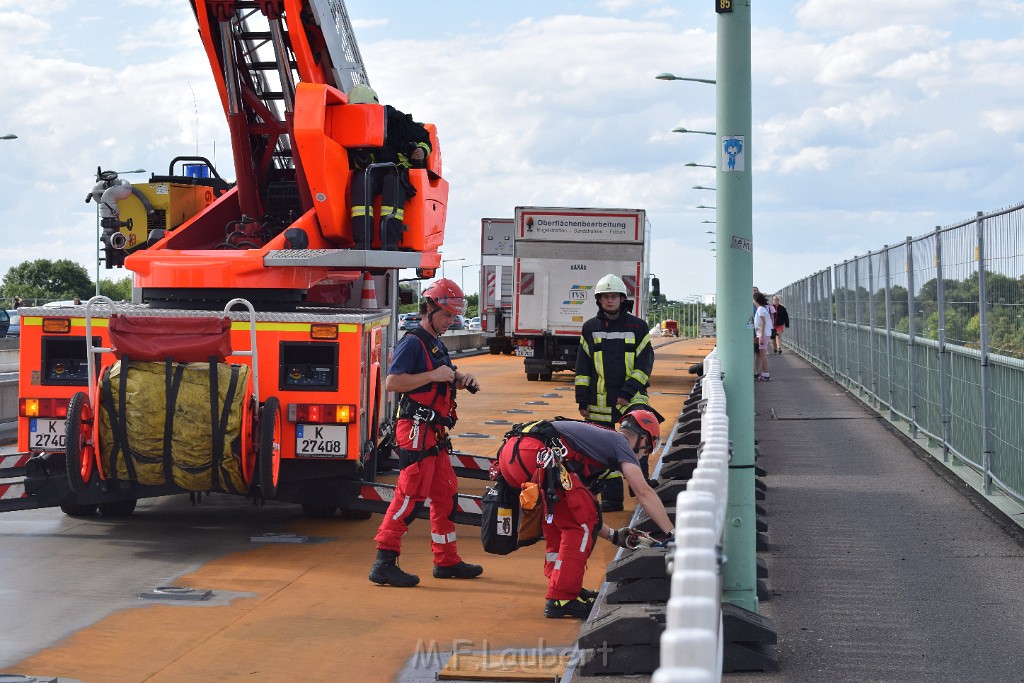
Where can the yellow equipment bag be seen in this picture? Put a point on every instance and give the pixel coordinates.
(174, 422)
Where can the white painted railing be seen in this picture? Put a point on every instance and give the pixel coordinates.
(691, 645)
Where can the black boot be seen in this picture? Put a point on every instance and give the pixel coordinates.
(462, 570)
(391, 230)
(576, 609)
(386, 572)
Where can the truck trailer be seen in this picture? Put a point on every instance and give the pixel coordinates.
(559, 254)
(496, 261)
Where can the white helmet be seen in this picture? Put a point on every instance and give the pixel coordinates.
(610, 284)
(362, 94)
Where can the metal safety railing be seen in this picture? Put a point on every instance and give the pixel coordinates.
(692, 645)
(931, 332)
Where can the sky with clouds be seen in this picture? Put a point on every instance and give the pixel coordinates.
(872, 120)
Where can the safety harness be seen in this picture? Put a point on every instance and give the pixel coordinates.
(432, 406)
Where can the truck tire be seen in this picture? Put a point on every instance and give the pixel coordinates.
(495, 350)
(318, 511)
(78, 447)
(269, 454)
(545, 377)
(78, 510)
(118, 508)
(532, 376)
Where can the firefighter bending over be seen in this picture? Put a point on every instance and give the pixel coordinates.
(406, 145)
(572, 522)
(422, 372)
(613, 369)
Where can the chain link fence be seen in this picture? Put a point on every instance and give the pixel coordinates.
(932, 331)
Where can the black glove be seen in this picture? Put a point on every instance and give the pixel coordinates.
(621, 537)
(631, 539)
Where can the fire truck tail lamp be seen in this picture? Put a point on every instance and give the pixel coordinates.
(322, 413)
(43, 407)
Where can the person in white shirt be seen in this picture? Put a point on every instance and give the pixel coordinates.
(762, 337)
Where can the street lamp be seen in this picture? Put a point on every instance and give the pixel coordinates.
(98, 232)
(672, 77)
(701, 187)
(462, 278)
(687, 130)
(701, 206)
(450, 260)
(694, 164)
(9, 136)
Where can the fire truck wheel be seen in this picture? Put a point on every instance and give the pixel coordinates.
(74, 510)
(79, 458)
(545, 377)
(118, 508)
(354, 514)
(269, 454)
(318, 511)
(532, 376)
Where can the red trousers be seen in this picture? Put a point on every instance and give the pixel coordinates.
(570, 525)
(430, 478)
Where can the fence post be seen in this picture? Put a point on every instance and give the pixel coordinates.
(911, 343)
(871, 330)
(832, 325)
(856, 323)
(940, 296)
(846, 321)
(888, 331)
(986, 398)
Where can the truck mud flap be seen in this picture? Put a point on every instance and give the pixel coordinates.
(466, 465)
(375, 497)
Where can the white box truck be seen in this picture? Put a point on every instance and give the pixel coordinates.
(496, 261)
(559, 255)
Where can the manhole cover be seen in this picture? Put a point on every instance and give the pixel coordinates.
(519, 411)
(536, 403)
(278, 538)
(177, 593)
(474, 435)
(498, 422)
(549, 395)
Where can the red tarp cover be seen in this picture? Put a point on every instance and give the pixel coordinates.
(187, 340)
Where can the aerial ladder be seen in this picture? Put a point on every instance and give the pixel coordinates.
(247, 295)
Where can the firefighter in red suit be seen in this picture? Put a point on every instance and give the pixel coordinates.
(572, 523)
(422, 373)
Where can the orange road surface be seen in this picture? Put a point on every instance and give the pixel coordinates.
(312, 615)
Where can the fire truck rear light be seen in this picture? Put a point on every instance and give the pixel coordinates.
(322, 413)
(43, 407)
(323, 331)
(56, 325)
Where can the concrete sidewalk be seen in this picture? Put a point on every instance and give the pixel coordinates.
(882, 566)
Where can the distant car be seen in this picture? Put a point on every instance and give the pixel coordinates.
(62, 304)
(473, 324)
(411, 321)
(14, 326)
(458, 324)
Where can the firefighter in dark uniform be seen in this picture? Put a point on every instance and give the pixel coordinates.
(407, 145)
(571, 521)
(422, 372)
(613, 370)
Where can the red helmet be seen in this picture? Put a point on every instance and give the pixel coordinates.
(643, 422)
(447, 296)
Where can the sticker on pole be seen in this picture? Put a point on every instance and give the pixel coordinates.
(733, 149)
